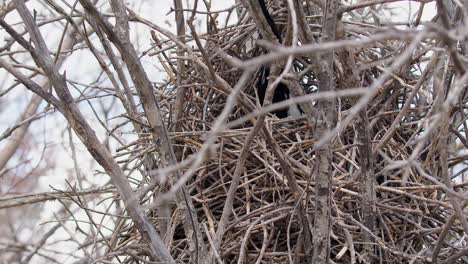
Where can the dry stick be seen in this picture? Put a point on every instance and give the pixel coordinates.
(442, 186)
(379, 241)
(327, 112)
(366, 160)
(298, 22)
(444, 108)
(271, 108)
(190, 23)
(127, 101)
(122, 26)
(71, 234)
(349, 240)
(163, 58)
(373, 89)
(227, 209)
(364, 4)
(88, 137)
(138, 75)
(7, 9)
(442, 149)
(266, 31)
(243, 247)
(31, 85)
(463, 253)
(37, 246)
(288, 231)
(199, 44)
(266, 241)
(452, 44)
(222, 84)
(283, 160)
(153, 113)
(208, 236)
(283, 52)
(287, 170)
(295, 188)
(41, 243)
(165, 208)
(442, 235)
(393, 127)
(230, 196)
(25, 199)
(367, 177)
(296, 17)
(246, 147)
(77, 199)
(396, 234)
(15, 139)
(218, 126)
(181, 90)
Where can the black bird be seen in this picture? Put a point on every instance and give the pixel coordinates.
(282, 91)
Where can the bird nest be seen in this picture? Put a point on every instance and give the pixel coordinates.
(409, 213)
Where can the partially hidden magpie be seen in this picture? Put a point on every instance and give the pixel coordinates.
(282, 91)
